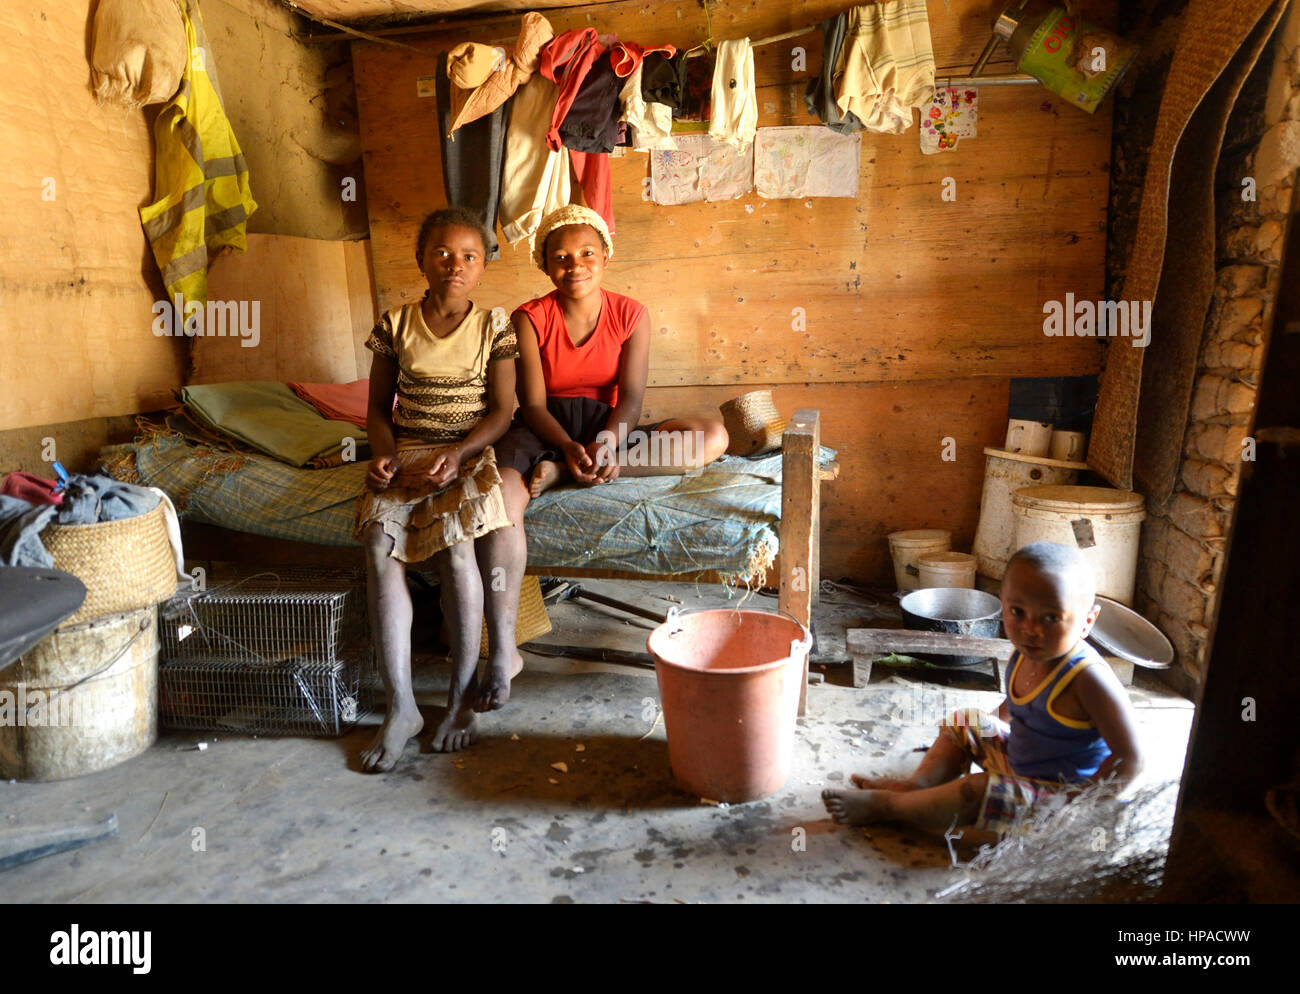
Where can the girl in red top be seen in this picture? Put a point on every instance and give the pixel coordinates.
(583, 357)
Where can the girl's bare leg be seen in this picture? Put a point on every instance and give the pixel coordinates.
(462, 608)
(676, 447)
(502, 556)
(389, 603)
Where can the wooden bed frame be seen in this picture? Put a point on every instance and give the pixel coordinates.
(798, 563)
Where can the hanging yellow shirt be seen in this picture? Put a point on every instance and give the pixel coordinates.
(200, 176)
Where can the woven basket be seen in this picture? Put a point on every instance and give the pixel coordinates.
(753, 424)
(532, 621)
(125, 565)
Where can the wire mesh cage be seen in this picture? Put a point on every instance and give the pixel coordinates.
(274, 653)
(232, 696)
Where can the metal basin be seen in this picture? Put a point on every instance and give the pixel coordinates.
(957, 611)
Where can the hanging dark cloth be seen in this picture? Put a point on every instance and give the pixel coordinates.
(819, 97)
(591, 125)
(663, 79)
(697, 99)
(471, 163)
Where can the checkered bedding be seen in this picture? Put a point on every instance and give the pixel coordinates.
(724, 519)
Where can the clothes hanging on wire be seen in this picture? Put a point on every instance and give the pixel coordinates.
(566, 62)
(627, 56)
(592, 173)
(663, 80)
(536, 177)
(697, 96)
(734, 115)
(886, 66)
(509, 70)
(200, 175)
(819, 97)
(591, 125)
(472, 157)
(650, 124)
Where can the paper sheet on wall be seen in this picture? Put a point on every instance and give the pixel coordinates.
(952, 114)
(805, 162)
(700, 168)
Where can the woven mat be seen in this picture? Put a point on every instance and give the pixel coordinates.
(1218, 44)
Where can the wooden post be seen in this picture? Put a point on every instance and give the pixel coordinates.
(801, 524)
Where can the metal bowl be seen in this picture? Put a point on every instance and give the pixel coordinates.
(955, 610)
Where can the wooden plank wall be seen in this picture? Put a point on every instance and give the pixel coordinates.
(918, 311)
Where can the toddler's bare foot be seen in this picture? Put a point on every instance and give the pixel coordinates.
(545, 475)
(386, 749)
(457, 730)
(501, 669)
(857, 807)
(883, 783)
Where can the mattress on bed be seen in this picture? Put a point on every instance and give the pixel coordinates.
(724, 519)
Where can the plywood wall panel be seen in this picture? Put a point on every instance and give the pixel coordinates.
(75, 297)
(892, 472)
(305, 290)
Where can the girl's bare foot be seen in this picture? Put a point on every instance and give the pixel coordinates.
(457, 730)
(545, 475)
(386, 749)
(857, 807)
(501, 669)
(883, 783)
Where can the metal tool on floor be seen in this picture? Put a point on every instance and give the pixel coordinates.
(25, 845)
(554, 592)
(594, 654)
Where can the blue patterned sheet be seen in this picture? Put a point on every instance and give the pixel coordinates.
(725, 518)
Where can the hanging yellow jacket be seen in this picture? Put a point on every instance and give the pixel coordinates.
(200, 176)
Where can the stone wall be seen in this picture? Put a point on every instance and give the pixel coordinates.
(1183, 542)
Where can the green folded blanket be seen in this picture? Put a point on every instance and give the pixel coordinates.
(270, 417)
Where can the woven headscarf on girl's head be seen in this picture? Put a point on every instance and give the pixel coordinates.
(562, 217)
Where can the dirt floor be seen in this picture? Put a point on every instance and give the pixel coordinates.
(569, 796)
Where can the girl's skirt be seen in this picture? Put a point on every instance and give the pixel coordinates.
(423, 520)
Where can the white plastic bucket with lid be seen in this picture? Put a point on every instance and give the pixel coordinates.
(1004, 474)
(907, 546)
(946, 569)
(1104, 524)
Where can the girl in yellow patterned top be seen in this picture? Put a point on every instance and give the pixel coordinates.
(432, 489)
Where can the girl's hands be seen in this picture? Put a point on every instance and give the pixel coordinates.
(380, 473)
(604, 460)
(581, 466)
(445, 467)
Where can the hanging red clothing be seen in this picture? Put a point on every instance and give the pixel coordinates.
(565, 61)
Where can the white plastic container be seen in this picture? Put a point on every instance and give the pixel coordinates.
(1004, 473)
(946, 569)
(907, 546)
(1104, 524)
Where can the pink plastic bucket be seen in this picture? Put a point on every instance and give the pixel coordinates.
(729, 684)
